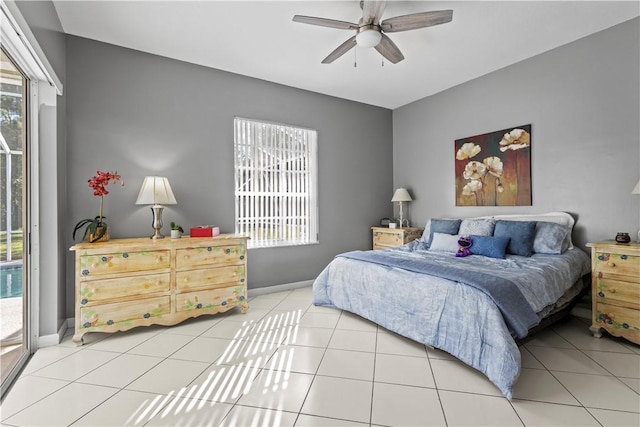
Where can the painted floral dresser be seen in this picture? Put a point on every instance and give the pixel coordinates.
(124, 283)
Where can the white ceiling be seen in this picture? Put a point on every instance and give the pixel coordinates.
(259, 39)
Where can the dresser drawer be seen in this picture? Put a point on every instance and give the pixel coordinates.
(618, 292)
(612, 263)
(208, 255)
(387, 239)
(125, 262)
(617, 317)
(101, 289)
(210, 277)
(121, 313)
(214, 299)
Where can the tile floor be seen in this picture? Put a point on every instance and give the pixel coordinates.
(287, 362)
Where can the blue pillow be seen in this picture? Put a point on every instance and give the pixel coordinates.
(550, 238)
(520, 233)
(446, 226)
(491, 246)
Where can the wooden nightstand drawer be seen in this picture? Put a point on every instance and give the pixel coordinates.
(618, 292)
(119, 314)
(618, 317)
(618, 263)
(123, 262)
(96, 290)
(208, 255)
(210, 277)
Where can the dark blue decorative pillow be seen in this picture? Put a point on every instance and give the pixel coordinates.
(446, 226)
(491, 246)
(520, 233)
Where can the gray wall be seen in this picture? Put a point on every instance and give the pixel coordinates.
(43, 21)
(142, 114)
(582, 100)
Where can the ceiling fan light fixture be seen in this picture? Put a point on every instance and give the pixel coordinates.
(368, 37)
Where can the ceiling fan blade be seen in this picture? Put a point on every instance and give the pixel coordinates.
(416, 20)
(324, 22)
(372, 11)
(389, 50)
(340, 50)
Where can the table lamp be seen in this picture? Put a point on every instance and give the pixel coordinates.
(156, 191)
(401, 195)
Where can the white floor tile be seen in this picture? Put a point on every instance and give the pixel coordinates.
(596, 391)
(547, 414)
(280, 390)
(323, 309)
(170, 376)
(464, 409)
(566, 360)
(436, 353)
(391, 343)
(615, 418)
(548, 338)
(540, 385)
(313, 421)
(224, 383)
(634, 383)
(26, 391)
(194, 327)
(230, 330)
(312, 337)
(248, 416)
(76, 399)
(46, 356)
(162, 345)
(339, 398)
(353, 340)
(125, 408)
(120, 371)
(355, 323)
(619, 364)
(254, 351)
(304, 360)
(293, 304)
(357, 365)
(455, 375)
(528, 360)
(236, 315)
(406, 370)
(76, 365)
(121, 342)
(190, 412)
(578, 334)
(203, 349)
(400, 405)
(319, 320)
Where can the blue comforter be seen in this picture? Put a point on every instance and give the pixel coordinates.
(448, 314)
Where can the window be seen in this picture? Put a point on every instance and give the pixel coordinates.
(276, 199)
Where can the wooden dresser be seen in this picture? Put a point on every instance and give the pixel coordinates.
(615, 289)
(124, 283)
(384, 237)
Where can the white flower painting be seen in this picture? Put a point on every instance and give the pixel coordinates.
(494, 169)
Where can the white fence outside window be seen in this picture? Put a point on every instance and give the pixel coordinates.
(276, 202)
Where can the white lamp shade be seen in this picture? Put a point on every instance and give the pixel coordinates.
(368, 38)
(156, 191)
(636, 190)
(401, 195)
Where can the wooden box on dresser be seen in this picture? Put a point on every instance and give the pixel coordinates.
(615, 289)
(384, 237)
(124, 283)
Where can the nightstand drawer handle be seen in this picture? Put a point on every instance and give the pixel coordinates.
(611, 316)
(612, 290)
(186, 257)
(611, 264)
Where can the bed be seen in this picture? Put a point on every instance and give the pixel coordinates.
(474, 307)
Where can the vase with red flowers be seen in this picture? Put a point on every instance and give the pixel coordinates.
(96, 229)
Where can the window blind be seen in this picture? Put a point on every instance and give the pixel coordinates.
(275, 183)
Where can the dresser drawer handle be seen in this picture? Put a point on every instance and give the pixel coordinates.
(186, 257)
(186, 279)
(611, 316)
(159, 259)
(612, 290)
(599, 274)
(611, 264)
(94, 265)
(241, 257)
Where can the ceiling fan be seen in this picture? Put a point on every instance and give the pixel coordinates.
(371, 32)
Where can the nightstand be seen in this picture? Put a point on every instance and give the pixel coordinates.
(615, 289)
(384, 237)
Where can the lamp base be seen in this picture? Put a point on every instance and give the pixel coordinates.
(157, 221)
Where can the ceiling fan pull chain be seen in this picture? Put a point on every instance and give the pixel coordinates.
(355, 57)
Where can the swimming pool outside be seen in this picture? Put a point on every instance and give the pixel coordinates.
(10, 279)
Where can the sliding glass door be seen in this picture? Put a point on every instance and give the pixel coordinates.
(14, 320)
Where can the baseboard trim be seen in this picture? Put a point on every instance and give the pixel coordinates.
(53, 339)
(279, 288)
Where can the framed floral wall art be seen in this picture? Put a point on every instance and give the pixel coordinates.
(494, 169)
